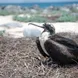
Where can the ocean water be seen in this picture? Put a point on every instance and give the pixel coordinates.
(42, 5)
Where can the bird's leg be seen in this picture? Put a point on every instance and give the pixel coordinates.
(47, 61)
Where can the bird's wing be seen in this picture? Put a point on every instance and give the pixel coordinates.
(57, 52)
(40, 49)
(70, 44)
(64, 41)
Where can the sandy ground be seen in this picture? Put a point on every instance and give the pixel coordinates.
(18, 32)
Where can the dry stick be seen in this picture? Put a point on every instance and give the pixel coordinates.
(14, 71)
(26, 65)
(57, 73)
(42, 68)
(12, 74)
(16, 44)
(38, 58)
(48, 72)
(5, 60)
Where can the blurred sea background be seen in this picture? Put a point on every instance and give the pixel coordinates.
(42, 4)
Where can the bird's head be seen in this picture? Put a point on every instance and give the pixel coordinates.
(47, 28)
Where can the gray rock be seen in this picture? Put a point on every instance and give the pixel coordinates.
(31, 32)
(65, 9)
(33, 11)
(12, 25)
(11, 8)
(36, 7)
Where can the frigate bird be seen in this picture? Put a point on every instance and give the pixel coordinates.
(62, 50)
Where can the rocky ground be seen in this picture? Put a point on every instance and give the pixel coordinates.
(20, 58)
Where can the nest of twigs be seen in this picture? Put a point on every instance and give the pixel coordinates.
(20, 58)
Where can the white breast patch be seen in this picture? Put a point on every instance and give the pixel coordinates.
(42, 39)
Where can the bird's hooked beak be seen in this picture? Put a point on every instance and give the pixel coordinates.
(36, 25)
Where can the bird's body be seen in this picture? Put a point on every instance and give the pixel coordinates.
(62, 50)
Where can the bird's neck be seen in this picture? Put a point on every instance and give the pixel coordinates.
(44, 36)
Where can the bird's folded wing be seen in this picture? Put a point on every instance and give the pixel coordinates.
(64, 41)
